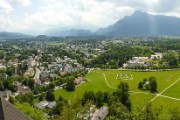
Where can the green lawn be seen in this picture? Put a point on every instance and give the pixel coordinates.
(138, 101)
(174, 91)
(164, 78)
(166, 104)
(96, 81)
(55, 43)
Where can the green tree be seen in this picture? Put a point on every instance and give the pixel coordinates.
(70, 86)
(33, 113)
(88, 96)
(153, 84)
(50, 96)
(140, 85)
(117, 111)
(99, 99)
(123, 95)
(174, 114)
(148, 113)
(31, 84)
(11, 100)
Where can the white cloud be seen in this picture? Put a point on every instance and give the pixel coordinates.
(24, 3)
(45, 14)
(4, 6)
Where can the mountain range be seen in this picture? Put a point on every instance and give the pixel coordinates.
(13, 35)
(138, 24)
(143, 24)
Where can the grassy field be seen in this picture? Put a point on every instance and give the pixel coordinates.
(107, 80)
(95, 83)
(174, 91)
(55, 43)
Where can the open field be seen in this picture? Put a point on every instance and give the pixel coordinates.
(107, 80)
(174, 91)
(55, 43)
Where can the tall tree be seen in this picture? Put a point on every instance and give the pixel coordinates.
(70, 86)
(153, 84)
(50, 96)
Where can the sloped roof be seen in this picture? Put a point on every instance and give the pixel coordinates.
(10, 112)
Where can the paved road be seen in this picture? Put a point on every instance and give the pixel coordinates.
(38, 72)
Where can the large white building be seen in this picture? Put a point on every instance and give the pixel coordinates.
(157, 56)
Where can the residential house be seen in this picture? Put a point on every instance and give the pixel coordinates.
(100, 114)
(23, 89)
(37, 82)
(45, 104)
(78, 80)
(44, 76)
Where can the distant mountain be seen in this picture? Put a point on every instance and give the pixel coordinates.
(143, 24)
(71, 32)
(13, 35)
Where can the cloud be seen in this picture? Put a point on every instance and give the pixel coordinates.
(68, 13)
(24, 3)
(5, 7)
(41, 15)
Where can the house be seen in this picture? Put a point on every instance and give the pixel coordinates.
(16, 83)
(78, 80)
(62, 73)
(37, 82)
(44, 76)
(45, 104)
(23, 89)
(100, 114)
(157, 56)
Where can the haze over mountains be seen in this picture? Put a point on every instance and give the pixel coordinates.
(138, 24)
(143, 24)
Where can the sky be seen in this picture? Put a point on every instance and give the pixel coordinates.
(40, 16)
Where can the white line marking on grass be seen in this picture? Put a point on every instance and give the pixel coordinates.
(169, 97)
(89, 71)
(160, 94)
(140, 92)
(170, 86)
(107, 82)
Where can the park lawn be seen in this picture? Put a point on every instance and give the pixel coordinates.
(55, 43)
(173, 91)
(165, 104)
(138, 101)
(164, 78)
(95, 82)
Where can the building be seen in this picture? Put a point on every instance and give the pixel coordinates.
(45, 104)
(138, 62)
(23, 89)
(78, 80)
(10, 112)
(100, 114)
(157, 56)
